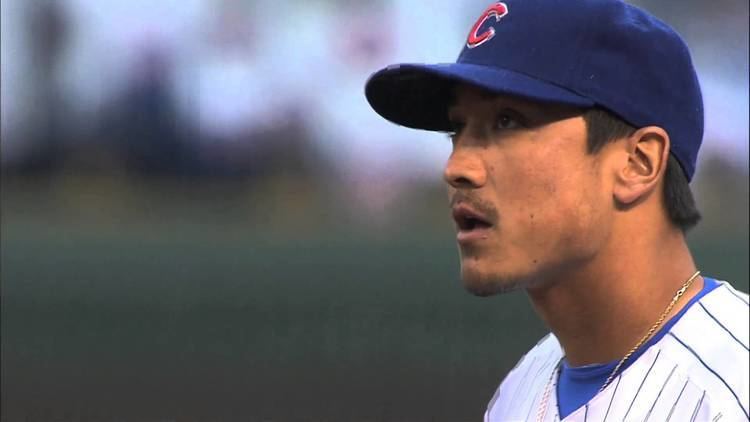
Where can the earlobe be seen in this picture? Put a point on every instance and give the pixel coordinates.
(647, 152)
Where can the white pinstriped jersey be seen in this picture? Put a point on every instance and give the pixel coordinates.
(697, 372)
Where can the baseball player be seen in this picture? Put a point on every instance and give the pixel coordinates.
(575, 128)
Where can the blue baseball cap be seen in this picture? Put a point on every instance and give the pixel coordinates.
(583, 53)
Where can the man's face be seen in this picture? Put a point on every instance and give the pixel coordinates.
(528, 201)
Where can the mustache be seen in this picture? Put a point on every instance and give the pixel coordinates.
(483, 207)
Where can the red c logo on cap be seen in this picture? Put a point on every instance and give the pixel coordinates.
(497, 10)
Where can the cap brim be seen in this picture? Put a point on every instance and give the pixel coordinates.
(418, 95)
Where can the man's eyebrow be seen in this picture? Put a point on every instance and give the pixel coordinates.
(483, 93)
(489, 95)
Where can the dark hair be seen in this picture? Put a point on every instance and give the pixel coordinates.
(603, 127)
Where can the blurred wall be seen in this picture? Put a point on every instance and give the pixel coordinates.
(202, 219)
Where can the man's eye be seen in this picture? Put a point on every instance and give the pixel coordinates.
(506, 122)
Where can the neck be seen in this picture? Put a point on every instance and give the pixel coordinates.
(599, 311)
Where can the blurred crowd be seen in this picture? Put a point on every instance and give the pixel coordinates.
(245, 89)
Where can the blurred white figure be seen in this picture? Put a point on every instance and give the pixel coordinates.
(224, 82)
(231, 87)
(376, 161)
(726, 105)
(14, 102)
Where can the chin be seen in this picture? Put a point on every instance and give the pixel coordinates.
(485, 283)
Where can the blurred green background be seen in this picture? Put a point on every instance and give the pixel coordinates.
(155, 302)
(202, 219)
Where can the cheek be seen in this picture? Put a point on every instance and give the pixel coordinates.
(534, 189)
(549, 203)
(573, 212)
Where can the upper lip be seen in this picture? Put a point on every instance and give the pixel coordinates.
(467, 218)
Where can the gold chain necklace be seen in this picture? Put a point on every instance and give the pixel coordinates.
(542, 411)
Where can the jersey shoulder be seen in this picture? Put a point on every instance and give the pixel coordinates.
(522, 387)
(698, 371)
(710, 346)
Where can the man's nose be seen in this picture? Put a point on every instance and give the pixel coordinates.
(465, 169)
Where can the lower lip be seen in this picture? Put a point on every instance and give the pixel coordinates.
(470, 236)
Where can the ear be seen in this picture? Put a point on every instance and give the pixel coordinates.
(647, 155)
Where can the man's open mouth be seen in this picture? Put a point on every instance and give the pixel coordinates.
(468, 219)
